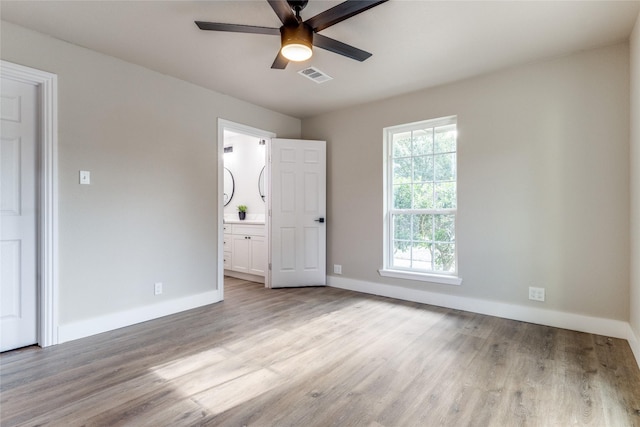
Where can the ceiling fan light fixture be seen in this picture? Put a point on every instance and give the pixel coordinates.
(296, 52)
(297, 42)
(297, 35)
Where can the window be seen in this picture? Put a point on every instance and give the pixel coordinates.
(421, 200)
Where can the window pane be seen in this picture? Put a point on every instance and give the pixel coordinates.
(402, 144)
(445, 167)
(423, 228)
(423, 142)
(402, 170)
(401, 254)
(444, 228)
(423, 169)
(402, 196)
(445, 195)
(445, 139)
(422, 257)
(423, 196)
(402, 227)
(444, 257)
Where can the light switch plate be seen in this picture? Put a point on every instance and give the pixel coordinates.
(85, 177)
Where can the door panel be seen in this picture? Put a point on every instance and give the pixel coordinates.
(10, 155)
(240, 258)
(298, 201)
(18, 211)
(11, 261)
(258, 261)
(311, 246)
(287, 248)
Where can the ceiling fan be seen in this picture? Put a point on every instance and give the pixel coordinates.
(298, 36)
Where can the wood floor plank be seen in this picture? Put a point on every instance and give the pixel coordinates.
(322, 357)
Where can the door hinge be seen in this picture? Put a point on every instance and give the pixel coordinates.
(269, 266)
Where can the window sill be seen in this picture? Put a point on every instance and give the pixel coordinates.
(423, 277)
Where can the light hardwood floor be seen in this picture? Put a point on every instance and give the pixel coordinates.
(323, 357)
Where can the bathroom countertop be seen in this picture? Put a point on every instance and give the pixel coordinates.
(245, 221)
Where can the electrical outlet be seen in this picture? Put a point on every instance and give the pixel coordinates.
(157, 288)
(536, 294)
(337, 269)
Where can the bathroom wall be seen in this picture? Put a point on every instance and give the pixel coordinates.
(245, 163)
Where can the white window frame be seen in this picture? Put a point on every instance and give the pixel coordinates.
(388, 269)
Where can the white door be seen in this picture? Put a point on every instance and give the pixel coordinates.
(297, 184)
(18, 211)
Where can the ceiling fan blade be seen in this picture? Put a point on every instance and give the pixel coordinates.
(280, 62)
(284, 11)
(237, 28)
(341, 12)
(340, 48)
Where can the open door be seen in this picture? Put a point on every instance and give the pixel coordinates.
(297, 207)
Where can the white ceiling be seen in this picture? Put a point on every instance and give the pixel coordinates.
(415, 44)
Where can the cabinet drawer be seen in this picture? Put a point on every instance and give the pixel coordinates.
(251, 230)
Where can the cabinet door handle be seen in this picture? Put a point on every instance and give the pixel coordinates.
(321, 220)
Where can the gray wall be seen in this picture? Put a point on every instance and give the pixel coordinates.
(150, 142)
(635, 182)
(543, 182)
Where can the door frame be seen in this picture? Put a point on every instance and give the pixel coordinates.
(251, 131)
(47, 222)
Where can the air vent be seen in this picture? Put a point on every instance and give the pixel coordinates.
(315, 75)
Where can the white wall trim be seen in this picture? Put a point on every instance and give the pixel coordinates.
(109, 322)
(422, 277)
(47, 84)
(245, 276)
(541, 316)
(634, 343)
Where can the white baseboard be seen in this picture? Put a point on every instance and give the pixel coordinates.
(540, 316)
(634, 343)
(244, 276)
(109, 322)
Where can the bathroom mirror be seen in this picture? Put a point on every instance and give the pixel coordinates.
(229, 186)
(261, 184)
